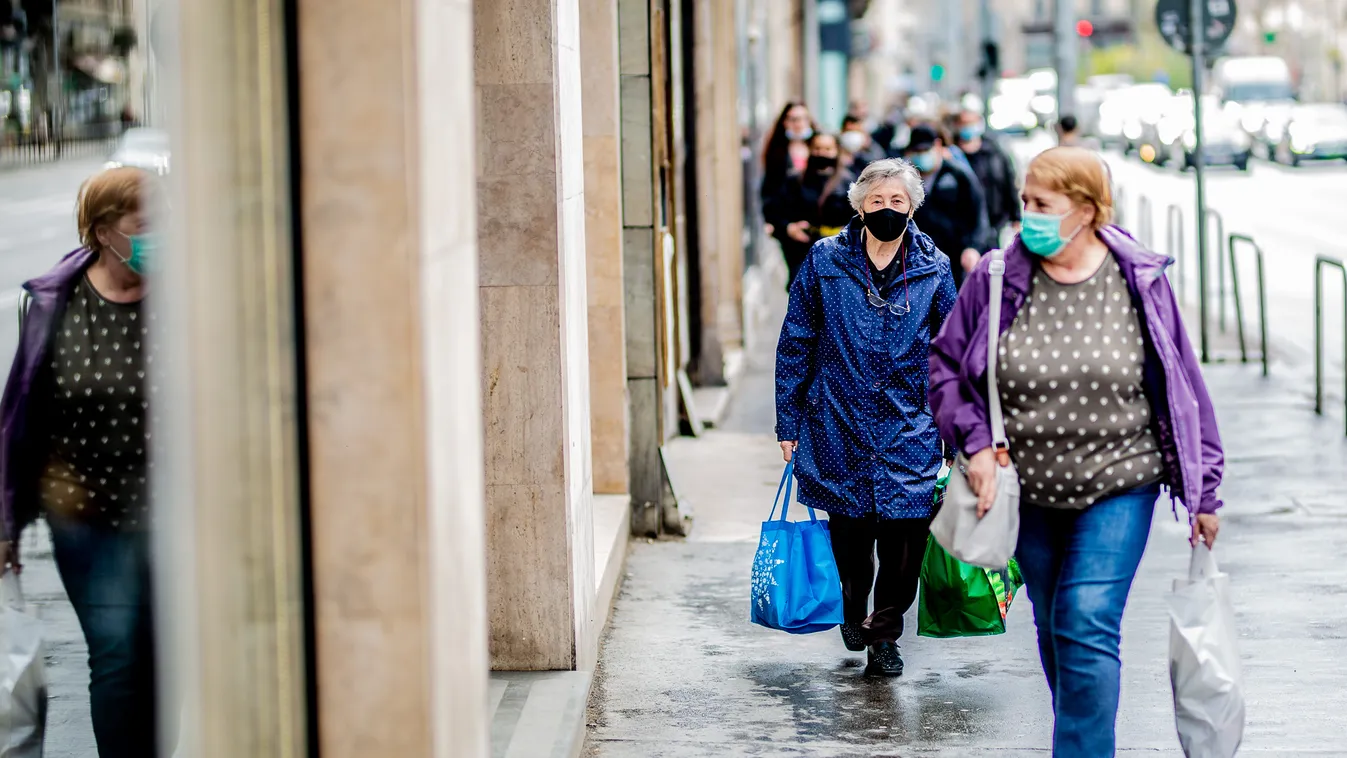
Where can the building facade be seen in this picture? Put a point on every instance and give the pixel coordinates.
(462, 266)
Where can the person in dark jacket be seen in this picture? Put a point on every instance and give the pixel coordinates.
(859, 149)
(851, 376)
(76, 416)
(812, 204)
(785, 155)
(954, 214)
(996, 175)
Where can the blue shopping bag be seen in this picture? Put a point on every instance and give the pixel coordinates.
(796, 587)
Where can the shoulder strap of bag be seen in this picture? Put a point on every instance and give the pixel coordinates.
(997, 269)
(787, 482)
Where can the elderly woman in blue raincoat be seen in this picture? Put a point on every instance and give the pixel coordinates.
(851, 381)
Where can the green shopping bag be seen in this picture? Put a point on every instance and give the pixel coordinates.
(959, 600)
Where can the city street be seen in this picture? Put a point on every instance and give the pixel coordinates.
(37, 227)
(684, 673)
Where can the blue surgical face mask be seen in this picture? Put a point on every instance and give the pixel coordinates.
(1041, 233)
(803, 135)
(925, 162)
(144, 253)
(970, 132)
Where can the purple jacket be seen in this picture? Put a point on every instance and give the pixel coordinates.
(1185, 422)
(19, 449)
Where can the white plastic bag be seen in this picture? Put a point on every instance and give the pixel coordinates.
(1204, 667)
(989, 541)
(23, 680)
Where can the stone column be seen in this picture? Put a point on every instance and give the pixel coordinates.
(229, 562)
(639, 273)
(394, 376)
(719, 186)
(531, 237)
(603, 244)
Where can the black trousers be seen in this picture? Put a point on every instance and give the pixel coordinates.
(900, 545)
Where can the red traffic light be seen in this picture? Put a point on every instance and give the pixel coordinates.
(1084, 28)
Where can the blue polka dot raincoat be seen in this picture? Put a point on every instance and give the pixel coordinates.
(851, 379)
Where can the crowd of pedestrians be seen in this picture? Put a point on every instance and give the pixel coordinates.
(970, 181)
(882, 379)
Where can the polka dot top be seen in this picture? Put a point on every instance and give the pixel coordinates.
(98, 467)
(1071, 383)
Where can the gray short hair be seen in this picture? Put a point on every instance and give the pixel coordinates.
(881, 171)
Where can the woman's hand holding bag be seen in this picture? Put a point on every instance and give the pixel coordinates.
(981, 473)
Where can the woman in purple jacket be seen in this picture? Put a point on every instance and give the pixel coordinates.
(1104, 403)
(74, 448)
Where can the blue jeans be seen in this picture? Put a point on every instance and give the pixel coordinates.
(106, 573)
(1078, 567)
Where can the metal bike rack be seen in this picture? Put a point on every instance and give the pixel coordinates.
(1239, 304)
(1144, 222)
(1174, 243)
(1320, 263)
(1220, 266)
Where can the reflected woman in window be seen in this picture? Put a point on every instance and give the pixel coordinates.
(74, 444)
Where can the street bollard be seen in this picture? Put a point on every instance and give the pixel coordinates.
(1239, 303)
(1220, 266)
(1174, 243)
(1320, 263)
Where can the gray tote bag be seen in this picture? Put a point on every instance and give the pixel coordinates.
(989, 541)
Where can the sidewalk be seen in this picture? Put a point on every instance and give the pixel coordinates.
(69, 731)
(684, 674)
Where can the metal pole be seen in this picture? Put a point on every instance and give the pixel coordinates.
(988, 74)
(1195, 26)
(1064, 39)
(1319, 335)
(812, 45)
(58, 96)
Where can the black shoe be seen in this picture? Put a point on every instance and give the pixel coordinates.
(851, 635)
(885, 660)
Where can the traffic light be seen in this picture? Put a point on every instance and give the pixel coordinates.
(1084, 28)
(937, 72)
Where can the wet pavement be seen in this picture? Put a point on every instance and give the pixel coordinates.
(684, 674)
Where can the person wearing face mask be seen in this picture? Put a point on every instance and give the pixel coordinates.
(954, 213)
(813, 204)
(785, 156)
(996, 175)
(1103, 403)
(859, 149)
(851, 378)
(75, 447)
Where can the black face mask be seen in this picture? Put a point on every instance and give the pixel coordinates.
(819, 165)
(885, 224)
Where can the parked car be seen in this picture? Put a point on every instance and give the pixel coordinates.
(1126, 113)
(1009, 109)
(1224, 142)
(1314, 132)
(1272, 127)
(142, 147)
(1163, 136)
